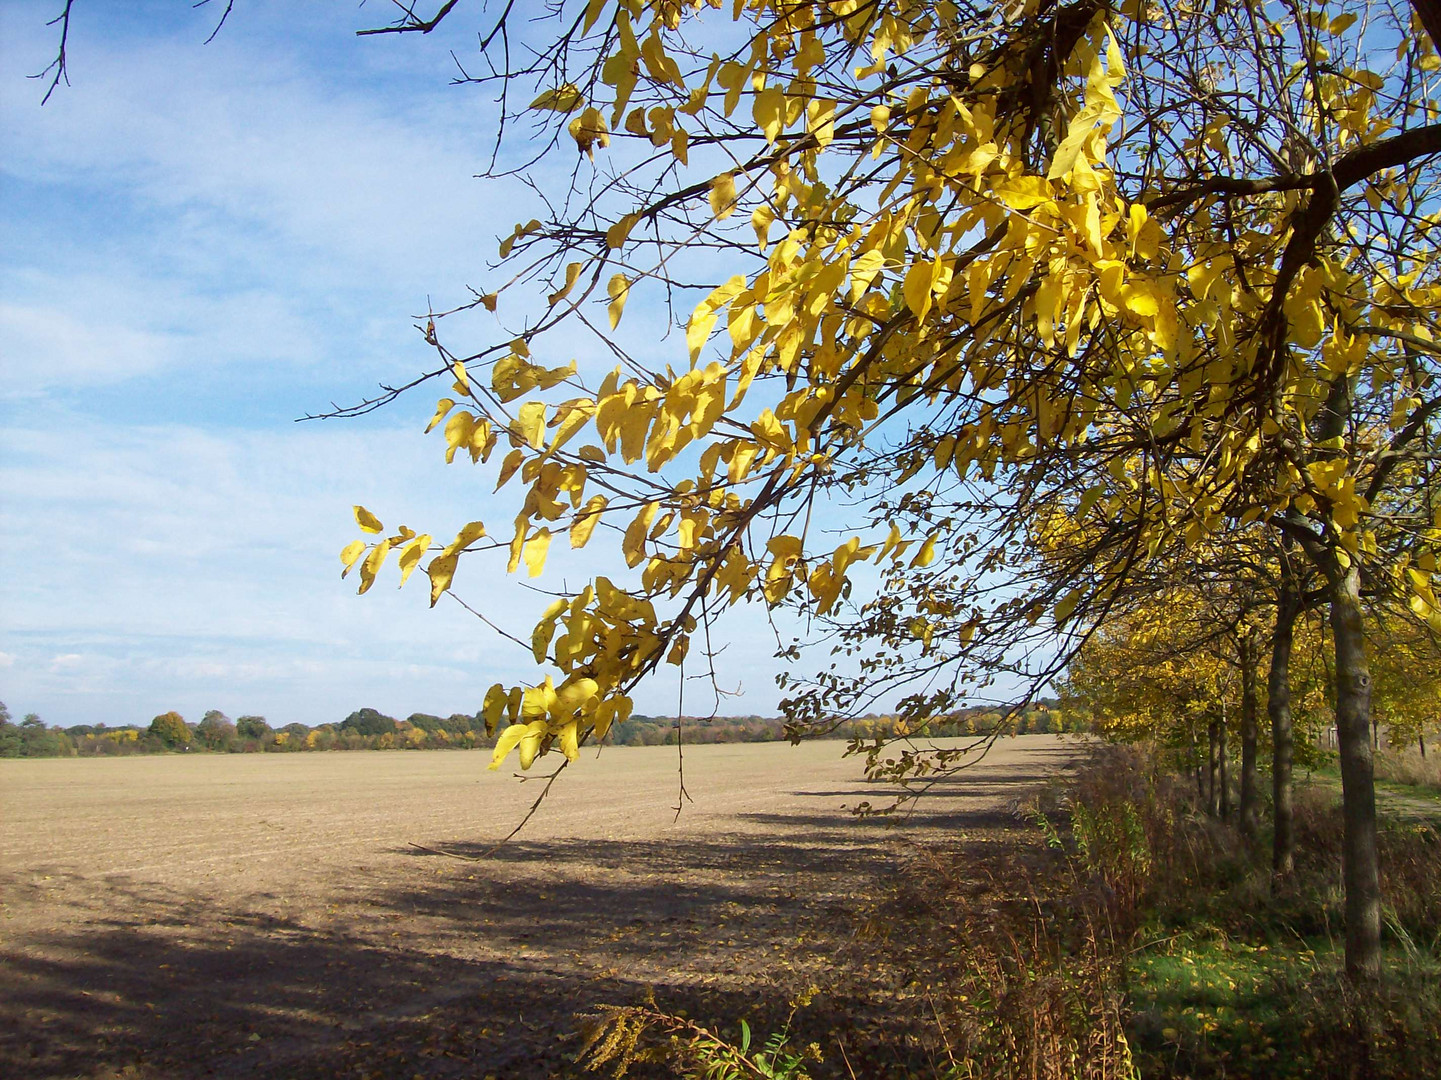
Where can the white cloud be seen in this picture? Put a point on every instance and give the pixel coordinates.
(194, 229)
(198, 569)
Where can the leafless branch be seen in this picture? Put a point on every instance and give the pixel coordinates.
(58, 65)
(412, 23)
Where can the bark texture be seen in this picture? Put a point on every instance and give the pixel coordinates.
(1361, 868)
(1250, 813)
(1278, 708)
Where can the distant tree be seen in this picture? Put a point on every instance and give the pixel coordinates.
(10, 742)
(216, 731)
(252, 727)
(171, 729)
(369, 722)
(425, 722)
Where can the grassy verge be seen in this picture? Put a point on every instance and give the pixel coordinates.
(1115, 932)
(1228, 974)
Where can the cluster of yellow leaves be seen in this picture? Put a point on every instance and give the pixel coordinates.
(863, 305)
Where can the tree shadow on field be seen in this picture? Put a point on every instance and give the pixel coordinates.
(471, 961)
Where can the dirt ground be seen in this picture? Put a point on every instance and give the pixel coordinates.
(273, 916)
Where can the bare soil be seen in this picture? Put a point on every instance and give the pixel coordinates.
(294, 916)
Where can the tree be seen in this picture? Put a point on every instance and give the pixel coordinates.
(252, 728)
(1007, 265)
(216, 731)
(369, 722)
(171, 730)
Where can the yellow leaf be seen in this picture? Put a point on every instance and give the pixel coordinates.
(544, 631)
(535, 550)
(410, 556)
(593, 8)
(615, 236)
(587, 520)
(572, 272)
(367, 521)
(589, 131)
(619, 290)
(442, 407)
(917, 289)
(353, 551)
(762, 217)
(633, 546)
(374, 561)
(517, 543)
(472, 532)
(723, 196)
(769, 111)
(530, 423)
(512, 462)
(494, 707)
(927, 554)
(525, 737)
(569, 740)
(1141, 298)
(564, 98)
(440, 571)
(1024, 192)
(703, 320)
(864, 271)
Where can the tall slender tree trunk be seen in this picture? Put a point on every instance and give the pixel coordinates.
(1250, 816)
(1278, 709)
(1223, 773)
(1199, 769)
(1213, 790)
(1361, 868)
(1421, 738)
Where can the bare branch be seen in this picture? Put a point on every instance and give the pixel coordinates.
(412, 23)
(58, 65)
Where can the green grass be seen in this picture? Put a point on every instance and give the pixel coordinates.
(1213, 1006)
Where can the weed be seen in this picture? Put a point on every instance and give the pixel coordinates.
(615, 1036)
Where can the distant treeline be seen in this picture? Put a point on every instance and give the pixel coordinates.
(369, 729)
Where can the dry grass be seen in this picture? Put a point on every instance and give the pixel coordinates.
(1408, 767)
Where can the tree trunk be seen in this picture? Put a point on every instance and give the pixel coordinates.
(1223, 774)
(1199, 769)
(1421, 738)
(1278, 709)
(1360, 864)
(1250, 816)
(1213, 791)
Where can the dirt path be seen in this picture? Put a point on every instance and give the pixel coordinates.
(269, 916)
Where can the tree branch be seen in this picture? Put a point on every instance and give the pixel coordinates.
(58, 64)
(410, 24)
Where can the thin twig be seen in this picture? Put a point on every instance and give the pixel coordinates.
(447, 854)
(58, 65)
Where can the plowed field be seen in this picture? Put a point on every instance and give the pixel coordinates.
(348, 914)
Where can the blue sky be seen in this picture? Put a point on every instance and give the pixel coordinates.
(203, 242)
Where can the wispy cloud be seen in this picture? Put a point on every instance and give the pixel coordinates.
(202, 243)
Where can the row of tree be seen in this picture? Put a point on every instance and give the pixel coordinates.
(369, 729)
